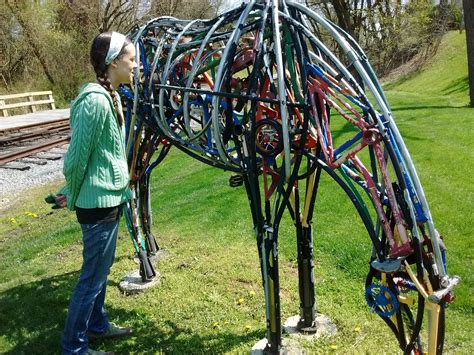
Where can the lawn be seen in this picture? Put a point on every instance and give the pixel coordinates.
(210, 299)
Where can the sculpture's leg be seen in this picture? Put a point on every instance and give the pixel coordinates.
(147, 271)
(271, 283)
(305, 257)
(306, 280)
(436, 331)
(268, 254)
(145, 215)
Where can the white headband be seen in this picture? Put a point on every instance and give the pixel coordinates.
(116, 44)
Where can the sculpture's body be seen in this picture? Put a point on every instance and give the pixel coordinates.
(260, 91)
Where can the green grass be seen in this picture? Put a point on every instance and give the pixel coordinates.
(206, 228)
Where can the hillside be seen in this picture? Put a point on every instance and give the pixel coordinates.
(444, 76)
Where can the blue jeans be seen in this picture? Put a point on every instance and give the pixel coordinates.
(86, 309)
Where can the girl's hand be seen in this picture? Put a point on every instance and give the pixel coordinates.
(61, 200)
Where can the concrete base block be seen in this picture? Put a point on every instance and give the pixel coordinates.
(323, 327)
(132, 283)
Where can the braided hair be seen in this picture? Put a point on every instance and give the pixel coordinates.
(99, 49)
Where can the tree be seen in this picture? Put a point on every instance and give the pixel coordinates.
(30, 36)
(45, 44)
(13, 51)
(102, 16)
(468, 7)
(185, 9)
(392, 32)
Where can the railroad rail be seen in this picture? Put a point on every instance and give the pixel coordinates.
(24, 141)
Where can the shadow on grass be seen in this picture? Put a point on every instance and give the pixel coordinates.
(175, 339)
(32, 315)
(457, 86)
(32, 318)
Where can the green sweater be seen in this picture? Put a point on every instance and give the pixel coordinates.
(95, 165)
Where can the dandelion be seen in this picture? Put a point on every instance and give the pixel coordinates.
(12, 220)
(252, 293)
(240, 301)
(357, 329)
(31, 214)
(215, 325)
(247, 328)
(333, 347)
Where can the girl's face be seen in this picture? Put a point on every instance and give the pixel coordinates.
(124, 65)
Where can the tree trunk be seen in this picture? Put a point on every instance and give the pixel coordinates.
(344, 19)
(468, 7)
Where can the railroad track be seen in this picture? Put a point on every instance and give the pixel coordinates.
(21, 142)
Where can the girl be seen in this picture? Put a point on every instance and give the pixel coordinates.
(97, 186)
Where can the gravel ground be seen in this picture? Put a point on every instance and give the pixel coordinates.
(13, 182)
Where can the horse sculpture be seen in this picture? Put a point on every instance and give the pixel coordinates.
(262, 91)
